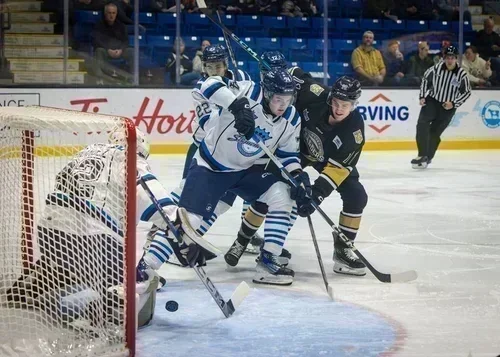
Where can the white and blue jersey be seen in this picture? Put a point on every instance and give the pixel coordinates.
(203, 108)
(224, 149)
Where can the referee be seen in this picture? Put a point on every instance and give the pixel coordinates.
(445, 87)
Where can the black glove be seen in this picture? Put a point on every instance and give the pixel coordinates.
(303, 190)
(192, 255)
(244, 121)
(305, 208)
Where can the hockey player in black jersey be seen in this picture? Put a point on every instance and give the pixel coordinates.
(332, 139)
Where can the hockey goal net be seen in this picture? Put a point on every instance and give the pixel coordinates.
(67, 286)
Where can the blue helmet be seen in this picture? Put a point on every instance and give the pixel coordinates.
(215, 53)
(275, 59)
(278, 81)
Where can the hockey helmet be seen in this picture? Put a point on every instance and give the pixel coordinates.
(278, 82)
(117, 137)
(275, 60)
(345, 88)
(212, 55)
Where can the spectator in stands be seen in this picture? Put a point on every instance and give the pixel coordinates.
(367, 62)
(189, 6)
(93, 5)
(164, 6)
(379, 9)
(188, 77)
(418, 64)
(197, 62)
(267, 7)
(110, 41)
(394, 63)
(125, 11)
(488, 44)
(417, 10)
(291, 9)
(439, 57)
(449, 10)
(478, 70)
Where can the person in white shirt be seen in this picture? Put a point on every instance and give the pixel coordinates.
(478, 70)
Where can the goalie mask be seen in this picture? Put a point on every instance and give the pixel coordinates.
(215, 60)
(343, 97)
(279, 91)
(275, 60)
(118, 138)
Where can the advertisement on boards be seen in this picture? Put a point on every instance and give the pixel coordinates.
(167, 115)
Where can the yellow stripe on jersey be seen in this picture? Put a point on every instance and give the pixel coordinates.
(336, 174)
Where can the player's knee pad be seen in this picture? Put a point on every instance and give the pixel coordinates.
(146, 299)
(277, 197)
(355, 200)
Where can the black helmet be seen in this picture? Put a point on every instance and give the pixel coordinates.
(345, 88)
(451, 51)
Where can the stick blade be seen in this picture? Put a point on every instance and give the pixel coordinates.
(404, 277)
(330, 293)
(240, 294)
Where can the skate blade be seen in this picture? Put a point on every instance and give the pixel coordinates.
(419, 166)
(280, 282)
(343, 269)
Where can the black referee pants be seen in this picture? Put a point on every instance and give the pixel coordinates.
(432, 122)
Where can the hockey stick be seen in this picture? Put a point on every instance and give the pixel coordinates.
(320, 260)
(228, 45)
(208, 13)
(241, 292)
(383, 277)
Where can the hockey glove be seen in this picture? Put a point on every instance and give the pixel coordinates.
(192, 255)
(244, 121)
(305, 208)
(303, 191)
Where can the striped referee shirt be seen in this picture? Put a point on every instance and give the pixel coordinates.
(446, 86)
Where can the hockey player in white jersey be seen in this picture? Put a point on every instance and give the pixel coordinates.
(80, 232)
(229, 159)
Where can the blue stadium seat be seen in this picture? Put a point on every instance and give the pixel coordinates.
(160, 41)
(440, 26)
(294, 43)
(298, 49)
(142, 40)
(317, 25)
(253, 68)
(214, 40)
(370, 24)
(268, 44)
(88, 17)
(249, 21)
(192, 42)
(300, 26)
(275, 22)
(339, 68)
(347, 24)
(390, 25)
(416, 26)
(455, 26)
(312, 66)
(167, 21)
(344, 45)
(243, 65)
(148, 20)
(352, 8)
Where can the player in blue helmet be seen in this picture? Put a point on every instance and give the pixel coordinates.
(215, 60)
(279, 91)
(275, 59)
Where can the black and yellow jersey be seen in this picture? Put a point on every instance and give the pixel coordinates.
(333, 150)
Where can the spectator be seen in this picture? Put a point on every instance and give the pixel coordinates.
(379, 9)
(367, 62)
(439, 57)
(164, 6)
(290, 9)
(94, 5)
(189, 6)
(418, 64)
(488, 41)
(478, 70)
(449, 10)
(110, 41)
(394, 62)
(188, 77)
(417, 10)
(197, 62)
(308, 7)
(125, 11)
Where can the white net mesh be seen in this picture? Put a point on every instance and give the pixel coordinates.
(64, 203)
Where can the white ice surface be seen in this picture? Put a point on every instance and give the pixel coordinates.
(443, 222)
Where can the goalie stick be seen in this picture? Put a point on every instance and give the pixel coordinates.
(329, 290)
(383, 277)
(242, 290)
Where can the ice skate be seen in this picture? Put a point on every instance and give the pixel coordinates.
(346, 262)
(420, 162)
(269, 271)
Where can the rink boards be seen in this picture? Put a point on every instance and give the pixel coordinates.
(167, 115)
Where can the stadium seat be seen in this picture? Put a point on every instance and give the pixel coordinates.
(440, 26)
(370, 24)
(343, 45)
(416, 26)
(455, 26)
(192, 42)
(148, 20)
(167, 22)
(300, 26)
(347, 24)
(317, 25)
(394, 26)
(352, 8)
(250, 25)
(268, 44)
(88, 17)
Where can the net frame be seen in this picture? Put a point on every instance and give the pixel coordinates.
(78, 123)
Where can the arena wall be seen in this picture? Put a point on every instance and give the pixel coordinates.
(166, 115)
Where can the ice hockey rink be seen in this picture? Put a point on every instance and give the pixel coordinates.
(443, 222)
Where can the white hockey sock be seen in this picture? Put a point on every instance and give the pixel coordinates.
(159, 251)
(293, 217)
(276, 229)
(219, 210)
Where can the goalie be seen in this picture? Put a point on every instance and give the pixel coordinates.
(80, 236)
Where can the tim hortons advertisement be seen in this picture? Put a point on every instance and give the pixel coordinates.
(167, 114)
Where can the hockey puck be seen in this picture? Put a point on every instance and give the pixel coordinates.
(171, 306)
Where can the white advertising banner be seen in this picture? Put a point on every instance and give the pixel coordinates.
(167, 114)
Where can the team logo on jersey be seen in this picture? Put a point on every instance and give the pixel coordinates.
(314, 146)
(234, 85)
(358, 136)
(316, 89)
(249, 148)
(338, 143)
